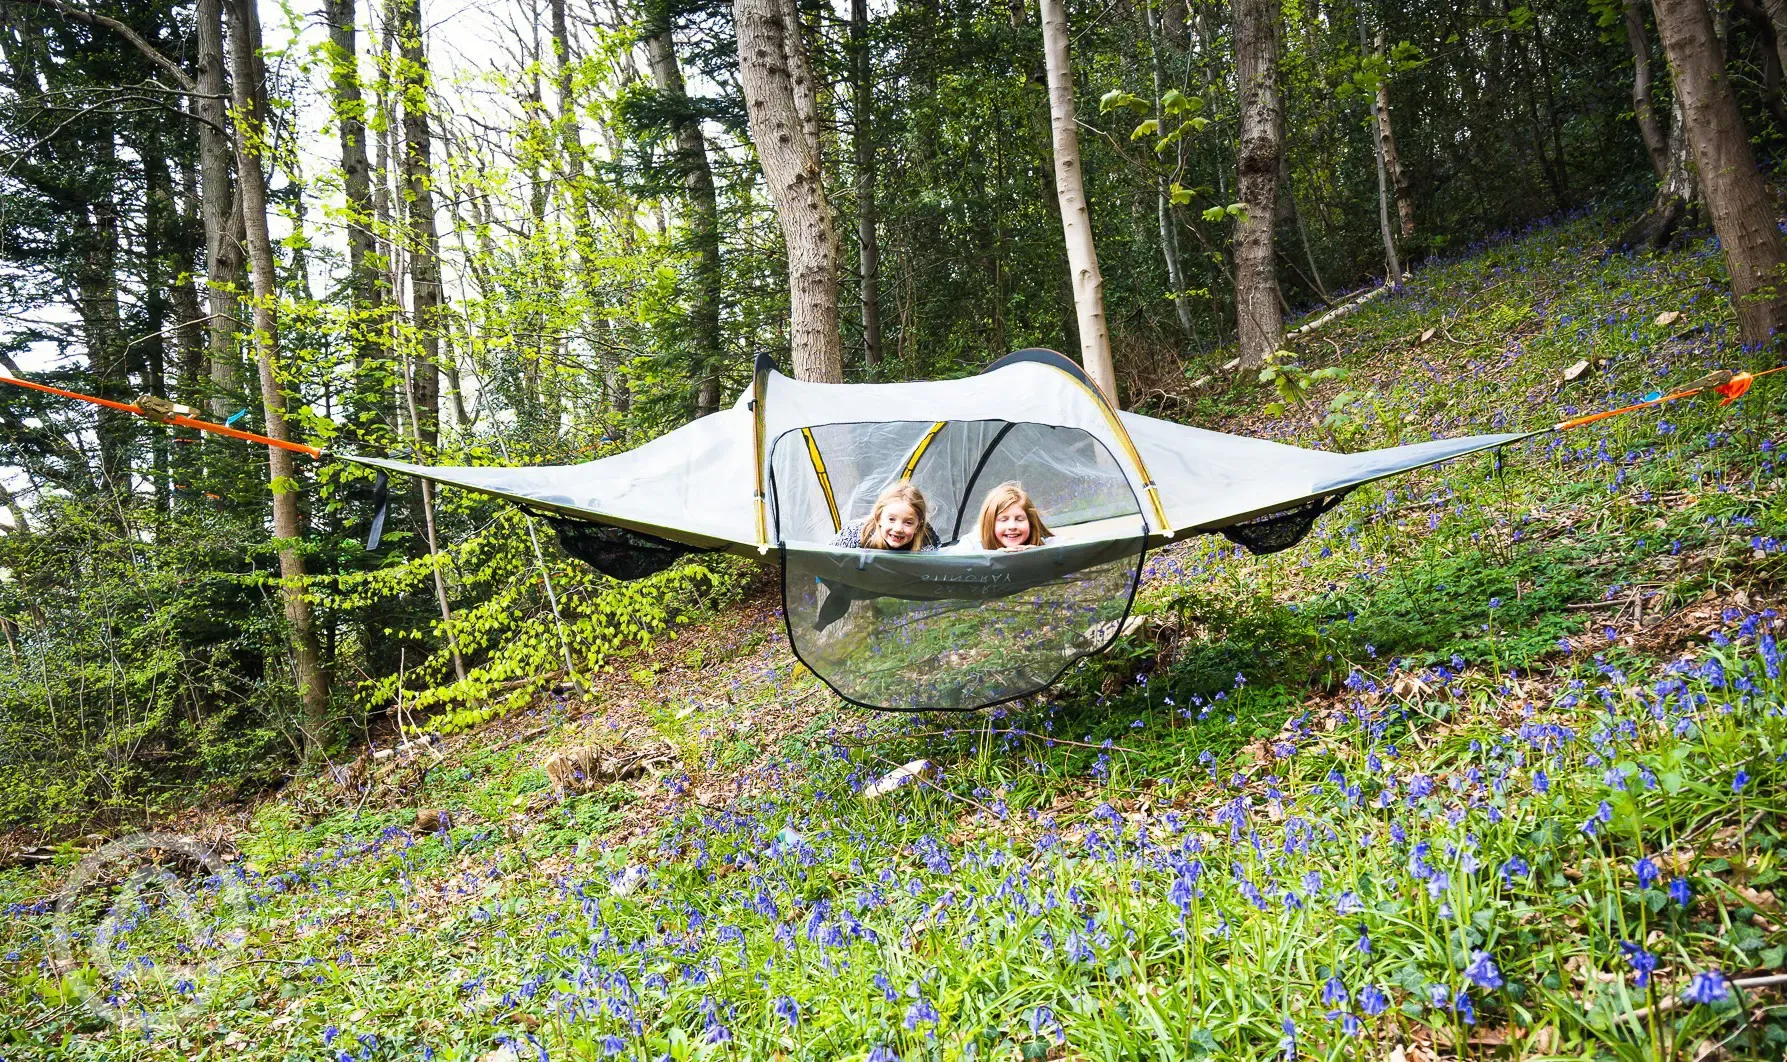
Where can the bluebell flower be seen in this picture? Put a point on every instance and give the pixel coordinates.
(788, 1010)
(1739, 780)
(1482, 971)
(882, 1053)
(1334, 993)
(1642, 962)
(1680, 892)
(1373, 1001)
(612, 1045)
(330, 1032)
(1708, 987)
(1462, 1005)
(1648, 873)
(920, 1011)
(1287, 1044)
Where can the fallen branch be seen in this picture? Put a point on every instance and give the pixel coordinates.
(965, 732)
(1340, 311)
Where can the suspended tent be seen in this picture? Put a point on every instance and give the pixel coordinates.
(959, 628)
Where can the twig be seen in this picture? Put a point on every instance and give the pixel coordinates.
(1743, 982)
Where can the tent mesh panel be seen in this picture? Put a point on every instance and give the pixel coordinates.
(615, 551)
(1280, 530)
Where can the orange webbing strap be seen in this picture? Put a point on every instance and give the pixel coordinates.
(182, 421)
(1732, 387)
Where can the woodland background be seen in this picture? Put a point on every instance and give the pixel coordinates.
(540, 231)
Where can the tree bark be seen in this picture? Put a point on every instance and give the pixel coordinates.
(219, 210)
(424, 242)
(1076, 216)
(1735, 196)
(248, 93)
(704, 215)
(369, 326)
(1392, 263)
(1642, 108)
(1169, 240)
(1259, 327)
(1405, 207)
(781, 103)
(867, 242)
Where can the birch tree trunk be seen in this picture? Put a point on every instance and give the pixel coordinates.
(1259, 327)
(1076, 216)
(1741, 210)
(424, 242)
(867, 242)
(248, 93)
(1169, 240)
(704, 214)
(1639, 40)
(782, 104)
(1392, 263)
(219, 211)
(1405, 207)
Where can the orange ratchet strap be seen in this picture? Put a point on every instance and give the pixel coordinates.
(168, 418)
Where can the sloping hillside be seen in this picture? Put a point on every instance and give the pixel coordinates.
(1489, 765)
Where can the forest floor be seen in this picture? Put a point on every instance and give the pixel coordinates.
(1489, 766)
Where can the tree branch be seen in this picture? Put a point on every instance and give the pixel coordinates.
(149, 50)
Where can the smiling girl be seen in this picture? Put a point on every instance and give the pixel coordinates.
(1009, 520)
(898, 521)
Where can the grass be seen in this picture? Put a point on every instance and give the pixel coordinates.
(1490, 766)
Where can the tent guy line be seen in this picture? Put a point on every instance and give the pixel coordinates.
(965, 626)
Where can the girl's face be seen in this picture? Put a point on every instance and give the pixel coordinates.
(1011, 528)
(899, 524)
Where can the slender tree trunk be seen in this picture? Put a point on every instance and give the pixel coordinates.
(1076, 216)
(97, 236)
(704, 215)
(1169, 240)
(1392, 263)
(1639, 40)
(190, 329)
(863, 138)
(249, 97)
(424, 243)
(369, 327)
(1259, 327)
(781, 102)
(1405, 207)
(220, 211)
(1742, 213)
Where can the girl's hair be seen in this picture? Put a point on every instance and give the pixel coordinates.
(903, 491)
(1001, 498)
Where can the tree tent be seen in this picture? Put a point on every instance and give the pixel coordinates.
(960, 628)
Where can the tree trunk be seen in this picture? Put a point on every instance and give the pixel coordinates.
(220, 211)
(1392, 263)
(1169, 240)
(781, 101)
(1076, 216)
(1639, 39)
(369, 327)
(704, 215)
(249, 96)
(1259, 327)
(1405, 207)
(1742, 213)
(424, 243)
(867, 242)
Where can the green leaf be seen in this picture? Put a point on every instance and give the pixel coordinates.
(1179, 194)
(1147, 128)
(1215, 214)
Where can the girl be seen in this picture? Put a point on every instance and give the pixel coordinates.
(1009, 520)
(898, 521)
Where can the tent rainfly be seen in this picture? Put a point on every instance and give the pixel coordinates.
(959, 628)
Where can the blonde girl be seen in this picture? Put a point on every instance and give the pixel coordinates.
(1009, 520)
(897, 522)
